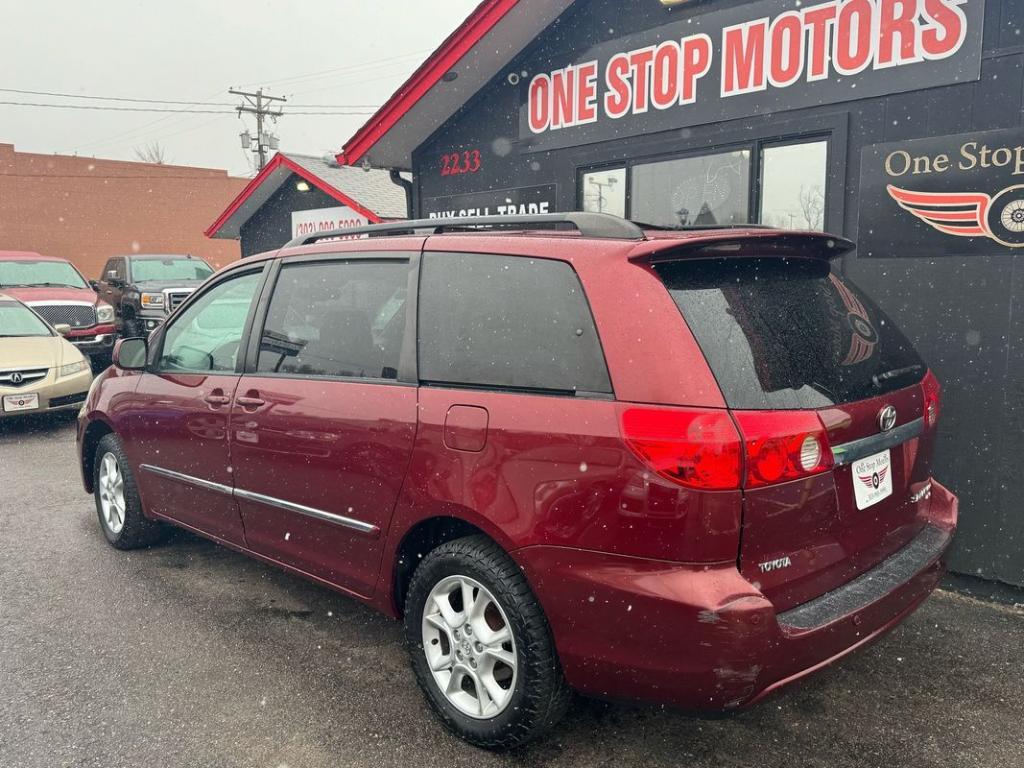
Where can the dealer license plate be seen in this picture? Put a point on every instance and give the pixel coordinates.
(872, 479)
(21, 402)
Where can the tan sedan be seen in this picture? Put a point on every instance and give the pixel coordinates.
(40, 370)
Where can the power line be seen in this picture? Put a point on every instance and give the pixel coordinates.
(168, 111)
(117, 109)
(364, 113)
(170, 101)
(119, 98)
(337, 70)
(145, 129)
(203, 124)
(330, 86)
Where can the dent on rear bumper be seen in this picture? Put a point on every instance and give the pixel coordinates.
(697, 636)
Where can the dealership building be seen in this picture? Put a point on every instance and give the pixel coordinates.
(895, 123)
(297, 194)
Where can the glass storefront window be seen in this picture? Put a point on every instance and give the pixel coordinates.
(604, 191)
(707, 190)
(793, 185)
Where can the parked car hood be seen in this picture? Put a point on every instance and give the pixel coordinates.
(31, 295)
(36, 352)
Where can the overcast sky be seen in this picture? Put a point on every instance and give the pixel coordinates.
(315, 52)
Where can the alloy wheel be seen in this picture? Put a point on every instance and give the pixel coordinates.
(469, 647)
(111, 488)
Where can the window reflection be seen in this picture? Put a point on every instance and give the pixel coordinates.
(604, 191)
(707, 190)
(793, 189)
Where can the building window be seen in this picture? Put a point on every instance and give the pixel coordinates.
(604, 191)
(705, 190)
(718, 188)
(793, 185)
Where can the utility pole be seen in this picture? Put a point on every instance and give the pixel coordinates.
(258, 104)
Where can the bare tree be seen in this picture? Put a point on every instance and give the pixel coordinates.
(812, 205)
(151, 153)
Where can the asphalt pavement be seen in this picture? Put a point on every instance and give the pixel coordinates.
(190, 655)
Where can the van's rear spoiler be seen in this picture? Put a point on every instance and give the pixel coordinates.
(749, 243)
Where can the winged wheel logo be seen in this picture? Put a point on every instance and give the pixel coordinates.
(875, 479)
(969, 214)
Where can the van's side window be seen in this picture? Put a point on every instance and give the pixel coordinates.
(339, 319)
(206, 336)
(507, 322)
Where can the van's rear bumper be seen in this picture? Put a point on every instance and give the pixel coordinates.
(701, 636)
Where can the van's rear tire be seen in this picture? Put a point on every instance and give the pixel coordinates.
(499, 684)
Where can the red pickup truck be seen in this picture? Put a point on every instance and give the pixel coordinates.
(56, 290)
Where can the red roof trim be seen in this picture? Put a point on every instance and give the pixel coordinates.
(256, 181)
(451, 51)
(337, 194)
(275, 163)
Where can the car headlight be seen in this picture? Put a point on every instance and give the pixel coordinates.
(72, 368)
(104, 313)
(152, 299)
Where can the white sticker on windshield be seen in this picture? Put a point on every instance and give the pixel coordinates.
(872, 479)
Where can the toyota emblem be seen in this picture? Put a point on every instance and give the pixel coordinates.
(887, 418)
(17, 378)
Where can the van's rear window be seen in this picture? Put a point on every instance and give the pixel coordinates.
(788, 333)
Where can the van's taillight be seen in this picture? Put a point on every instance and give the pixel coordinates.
(695, 447)
(782, 445)
(931, 389)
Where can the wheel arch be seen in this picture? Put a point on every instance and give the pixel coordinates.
(94, 432)
(419, 540)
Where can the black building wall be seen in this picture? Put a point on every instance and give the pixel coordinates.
(965, 314)
(271, 226)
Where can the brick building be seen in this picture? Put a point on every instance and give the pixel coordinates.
(86, 209)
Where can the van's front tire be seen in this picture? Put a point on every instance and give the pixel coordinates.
(490, 673)
(118, 505)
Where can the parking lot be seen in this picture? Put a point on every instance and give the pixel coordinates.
(188, 654)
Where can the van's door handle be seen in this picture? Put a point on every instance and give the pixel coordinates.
(217, 398)
(252, 401)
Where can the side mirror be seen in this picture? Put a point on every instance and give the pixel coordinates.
(95, 285)
(62, 328)
(130, 354)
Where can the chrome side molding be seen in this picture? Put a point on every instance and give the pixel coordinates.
(319, 514)
(847, 453)
(259, 498)
(187, 479)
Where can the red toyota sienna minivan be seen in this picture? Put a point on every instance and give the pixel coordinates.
(571, 452)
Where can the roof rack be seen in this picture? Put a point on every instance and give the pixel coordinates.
(600, 226)
(700, 227)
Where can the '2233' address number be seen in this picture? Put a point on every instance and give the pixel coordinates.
(457, 163)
